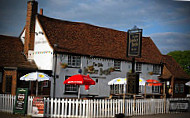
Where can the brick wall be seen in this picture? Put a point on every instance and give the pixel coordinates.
(13, 83)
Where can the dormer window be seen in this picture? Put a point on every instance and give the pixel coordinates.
(138, 67)
(74, 61)
(117, 65)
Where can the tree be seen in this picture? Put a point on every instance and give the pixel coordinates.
(183, 58)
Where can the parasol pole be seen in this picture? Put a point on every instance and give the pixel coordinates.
(79, 92)
(36, 83)
(36, 87)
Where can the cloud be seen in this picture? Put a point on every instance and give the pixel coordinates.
(170, 41)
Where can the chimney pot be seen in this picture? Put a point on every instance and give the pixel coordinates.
(41, 11)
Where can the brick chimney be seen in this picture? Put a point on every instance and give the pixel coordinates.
(41, 11)
(32, 8)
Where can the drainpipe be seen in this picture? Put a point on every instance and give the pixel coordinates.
(55, 68)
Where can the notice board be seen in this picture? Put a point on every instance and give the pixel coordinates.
(38, 107)
(21, 101)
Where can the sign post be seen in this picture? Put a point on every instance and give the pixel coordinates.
(21, 101)
(134, 47)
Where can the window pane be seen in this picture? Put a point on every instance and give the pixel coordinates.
(176, 88)
(117, 65)
(74, 61)
(156, 69)
(138, 67)
(181, 88)
(70, 88)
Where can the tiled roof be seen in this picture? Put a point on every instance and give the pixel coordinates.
(173, 69)
(10, 53)
(85, 39)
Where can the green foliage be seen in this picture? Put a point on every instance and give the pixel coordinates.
(183, 58)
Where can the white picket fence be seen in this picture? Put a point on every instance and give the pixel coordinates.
(7, 102)
(94, 107)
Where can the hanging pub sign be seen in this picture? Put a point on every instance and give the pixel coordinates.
(21, 101)
(134, 42)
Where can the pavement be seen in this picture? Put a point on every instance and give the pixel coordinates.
(10, 115)
(172, 115)
(169, 115)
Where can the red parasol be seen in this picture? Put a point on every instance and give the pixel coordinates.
(80, 80)
(152, 82)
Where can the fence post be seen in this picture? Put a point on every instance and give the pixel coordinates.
(51, 107)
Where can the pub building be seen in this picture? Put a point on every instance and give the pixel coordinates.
(62, 48)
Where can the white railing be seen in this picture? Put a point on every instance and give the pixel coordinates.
(93, 108)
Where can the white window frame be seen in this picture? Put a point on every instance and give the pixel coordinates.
(155, 89)
(156, 69)
(117, 89)
(117, 65)
(138, 67)
(74, 61)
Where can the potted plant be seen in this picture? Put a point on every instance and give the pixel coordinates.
(64, 65)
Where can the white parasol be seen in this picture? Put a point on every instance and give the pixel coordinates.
(187, 84)
(118, 81)
(35, 76)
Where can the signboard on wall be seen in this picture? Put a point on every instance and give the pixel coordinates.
(38, 107)
(134, 43)
(21, 101)
(179, 105)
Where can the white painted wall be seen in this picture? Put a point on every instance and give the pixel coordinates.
(101, 88)
(43, 52)
(22, 36)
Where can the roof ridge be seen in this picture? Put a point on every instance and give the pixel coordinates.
(77, 22)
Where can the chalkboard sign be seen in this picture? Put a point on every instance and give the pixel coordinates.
(21, 101)
(179, 105)
(133, 83)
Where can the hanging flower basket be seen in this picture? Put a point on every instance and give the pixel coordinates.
(64, 65)
(90, 68)
(111, 69)
(150, 73)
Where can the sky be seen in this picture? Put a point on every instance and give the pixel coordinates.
(167, 22)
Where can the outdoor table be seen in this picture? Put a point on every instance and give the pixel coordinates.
(88, 96)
